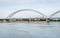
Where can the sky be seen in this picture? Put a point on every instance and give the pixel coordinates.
(46, 7)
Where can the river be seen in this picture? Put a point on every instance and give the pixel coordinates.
(30, 30)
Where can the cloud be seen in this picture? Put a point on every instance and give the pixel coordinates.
(45, 6)
(18, 1)
(29, 1)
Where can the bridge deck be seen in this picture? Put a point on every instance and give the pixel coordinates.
(29, 20)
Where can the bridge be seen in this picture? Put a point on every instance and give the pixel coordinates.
(43, 18)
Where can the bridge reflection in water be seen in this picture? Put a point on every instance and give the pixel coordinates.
(44, 17)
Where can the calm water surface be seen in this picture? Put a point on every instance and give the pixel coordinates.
(30, 30)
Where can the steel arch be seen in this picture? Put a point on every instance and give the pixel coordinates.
(12, 14)
(54, 13)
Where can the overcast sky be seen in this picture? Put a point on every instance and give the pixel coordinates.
(46, 7)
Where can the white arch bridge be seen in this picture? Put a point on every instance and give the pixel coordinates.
(44, 17)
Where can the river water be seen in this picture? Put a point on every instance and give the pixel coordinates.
(30, 30)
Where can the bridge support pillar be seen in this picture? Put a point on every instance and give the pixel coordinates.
(47, 20)
(29, 19)
(4, 20)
